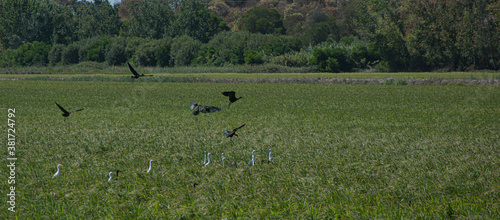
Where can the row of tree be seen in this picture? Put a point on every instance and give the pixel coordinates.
(332, 35)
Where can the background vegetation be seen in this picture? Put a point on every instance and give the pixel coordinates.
(340, 151)
(330, 35)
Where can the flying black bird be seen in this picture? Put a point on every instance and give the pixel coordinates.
(232, 97)
(232, 133)
(203, 109)
(66, 113)
(136, 75)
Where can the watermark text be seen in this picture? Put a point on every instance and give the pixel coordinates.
(11, 159)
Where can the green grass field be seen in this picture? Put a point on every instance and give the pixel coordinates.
(340, 151)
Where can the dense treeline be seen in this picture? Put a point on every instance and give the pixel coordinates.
(330, 35)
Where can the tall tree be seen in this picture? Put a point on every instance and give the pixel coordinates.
(195, 20)
(23, 21)
(148, 19)
(95, 19)
(262, 20)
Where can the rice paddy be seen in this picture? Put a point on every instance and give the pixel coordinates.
(340, 151)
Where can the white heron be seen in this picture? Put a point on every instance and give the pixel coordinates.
(270, 156)
(208, 162)
(58, 171)
(110, 176)
(223, 159)
(205, 159)
(150, 167)
(253, 159)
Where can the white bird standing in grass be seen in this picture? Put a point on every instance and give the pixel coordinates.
(253, 159)
(205, 159)
(110, 176)
(58, 171)
(270, 156)
(223, 159)
(208, 162)
(150, 167)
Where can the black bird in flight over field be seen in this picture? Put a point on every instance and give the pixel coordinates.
(232, 97)
(136, 75)
(232, 133)
(66, 113)
(203, 109)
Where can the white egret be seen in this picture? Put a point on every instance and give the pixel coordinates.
(205, 159)
(270, 160)
(110, 176)
(253, 159)
(223, 159)
(150, 167)
(208, 162)
(58, 171)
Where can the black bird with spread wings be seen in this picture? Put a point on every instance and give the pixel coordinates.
(232, 97)
(136, 75)
(66, 113)
(203, 109)
(232, 133)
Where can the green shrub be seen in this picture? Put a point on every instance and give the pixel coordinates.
(297, 59)
(133, 44)
(225, 48)
(55, 54)
(184, 50)
(252, 57)
(69, 54)
(262, 20)
(97, 50)
(331, 60)
(6, 58)
(389, 82)
(145, 55)
(116, 53)
(401, 82)
(383, 66)
(316, 34)
(162, 53)
(30, 54)
(347, 55)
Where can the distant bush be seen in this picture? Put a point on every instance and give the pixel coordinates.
(184, 50)
(297, 59)
(262, 20)
(383, 66)
(149, 52)
(331, 60)
(347, 55)
(318, 33)
(96, 51)
(30, 54)
(133, 44)
(116, 53)
(6, 58)
(55, 54)
(70, 54)
(401, 82)
(145, 54)
(252, 57)
(227, 48)
(162, 53)
(278, 45)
